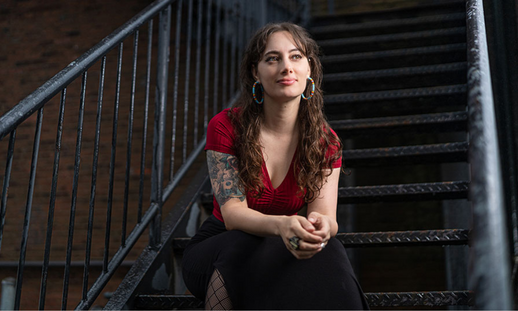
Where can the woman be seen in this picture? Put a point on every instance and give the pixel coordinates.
(269, 156)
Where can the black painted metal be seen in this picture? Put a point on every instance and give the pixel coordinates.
(437, 153)
(52, 205)
(7, 178)
(75, 186)
(428, 123)
(405, 192)
(28, 210)
(93, 186)
(489, 270)
(175, 88)
(399, 299)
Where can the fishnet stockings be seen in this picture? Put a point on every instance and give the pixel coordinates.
(217, 297)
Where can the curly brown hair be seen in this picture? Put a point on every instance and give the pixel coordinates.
(312, 166)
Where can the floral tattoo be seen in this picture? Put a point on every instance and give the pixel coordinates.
(223, 173)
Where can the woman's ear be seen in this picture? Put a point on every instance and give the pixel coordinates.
(254, 73)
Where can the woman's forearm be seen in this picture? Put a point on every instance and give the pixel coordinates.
(252, 221)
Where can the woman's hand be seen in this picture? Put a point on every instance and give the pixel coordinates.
(298, 226)
(322, 225)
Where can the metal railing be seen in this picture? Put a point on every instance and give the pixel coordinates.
(206, 36)
(489, 275)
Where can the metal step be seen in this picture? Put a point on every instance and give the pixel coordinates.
(404, 192)
(390, 41)
(436, 153)
(386, 238)
(344, 29)
(429, 123)
(388, 299)
(395, 94)
(437, 7)
(396, 78)
(438, 54)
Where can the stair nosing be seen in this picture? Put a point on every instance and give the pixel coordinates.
(394, 52)
(402, 71)
(392, 37)
(395, 94)
(388, 23)
(404, 151)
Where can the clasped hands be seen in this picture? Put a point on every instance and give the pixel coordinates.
(312, 232)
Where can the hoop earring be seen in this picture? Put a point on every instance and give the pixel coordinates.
(253, 93)
(312, 90)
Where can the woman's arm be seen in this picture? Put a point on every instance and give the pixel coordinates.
(224, 178)
(322, 211)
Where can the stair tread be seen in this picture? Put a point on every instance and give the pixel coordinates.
(394, 72)
(385, 238)
(393, 37)
(399, 121)
(455, 47)
(445, 152)
(374, 299)
(404, 192)
(395, 94)
(388, 23)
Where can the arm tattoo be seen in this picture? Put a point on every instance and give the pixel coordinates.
(223, 173)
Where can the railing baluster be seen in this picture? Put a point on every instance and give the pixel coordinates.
(225, 56)
(130, 137)
(159, 125)
(94, 179)
(7, 177)
(216, 57)
(235, 31)
(28, 209)
(187, 79)
(50, 220)
(112, 161)
(144, 126)
(175, 91)
(207, 66)
(75, 185)
(198, 65)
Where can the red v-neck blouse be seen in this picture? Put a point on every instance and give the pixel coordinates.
(282, 200)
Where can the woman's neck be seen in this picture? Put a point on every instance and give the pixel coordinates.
(281, 118)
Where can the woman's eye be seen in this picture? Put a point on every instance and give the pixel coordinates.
(296, 56)
(271, 58)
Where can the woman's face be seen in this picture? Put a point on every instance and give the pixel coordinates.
(283, 69)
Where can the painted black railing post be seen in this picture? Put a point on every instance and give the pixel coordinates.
(159, 126)
(489, 275)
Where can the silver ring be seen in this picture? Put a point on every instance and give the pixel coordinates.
(322, 245)
(294, 242)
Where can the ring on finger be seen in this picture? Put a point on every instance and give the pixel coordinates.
(294, 242)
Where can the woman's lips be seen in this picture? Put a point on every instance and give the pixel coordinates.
(286, 81)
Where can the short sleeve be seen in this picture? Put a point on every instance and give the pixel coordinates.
(332, 149)
(220, 134)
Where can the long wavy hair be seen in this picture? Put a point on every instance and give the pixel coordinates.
(312, 164)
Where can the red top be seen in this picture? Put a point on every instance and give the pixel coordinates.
(282, 200)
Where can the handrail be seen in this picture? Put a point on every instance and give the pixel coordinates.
(489, 275)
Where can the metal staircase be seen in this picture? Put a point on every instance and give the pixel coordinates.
(409, 92)
(396, 93)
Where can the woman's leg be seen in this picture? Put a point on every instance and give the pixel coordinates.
(217, 296)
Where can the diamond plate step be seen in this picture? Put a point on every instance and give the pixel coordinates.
(389, 299)
(395, 95)
(437, 7)
(387, 238)
(404, 192)
(385, 26)
(436, 153)
(429, 123)
(396, 78)
(438, 54)
(390, 41)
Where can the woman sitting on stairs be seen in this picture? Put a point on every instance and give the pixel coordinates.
(269, 156)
